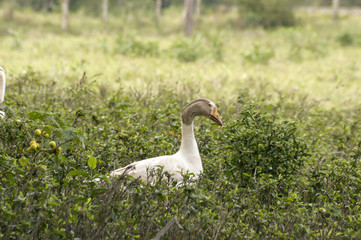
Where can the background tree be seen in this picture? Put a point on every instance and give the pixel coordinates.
(105, 8)
(197, 11)
(9, 14)
(189, 10)
(65, 14)
(158, 11)
(335, 8)
(158, 8)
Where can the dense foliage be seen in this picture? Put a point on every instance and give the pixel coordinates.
(258, 144)
(267, 13)
(271, 171)
(285, 164)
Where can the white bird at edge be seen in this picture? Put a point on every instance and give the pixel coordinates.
(2, 89)
(187, 159)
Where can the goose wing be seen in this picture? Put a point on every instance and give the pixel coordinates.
(170, 163)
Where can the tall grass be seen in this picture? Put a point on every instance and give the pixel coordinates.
(312, 58)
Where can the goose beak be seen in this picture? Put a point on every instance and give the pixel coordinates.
(215, 117)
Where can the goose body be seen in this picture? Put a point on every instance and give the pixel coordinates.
(187, 159)
(2, 89)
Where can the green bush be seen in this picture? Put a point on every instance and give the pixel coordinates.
(217, 46)
(345, 39)
(187, 49)
(258, 144)
(307, 47)
(259, 54)
(267, 13)
(256, 178)
(129, 45)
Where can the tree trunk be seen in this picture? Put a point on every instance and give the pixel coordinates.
(105, 10)
(9, 15)
(47, 5)
(189, 5)
(335, 7)
(158, 9)
(198, 8)
(65, 14)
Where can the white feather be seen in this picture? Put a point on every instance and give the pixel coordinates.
(2, 84)
(187, 159)
(2, 89)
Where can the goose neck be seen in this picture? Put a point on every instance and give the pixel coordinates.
(189, 144)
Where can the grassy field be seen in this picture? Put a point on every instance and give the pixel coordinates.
(285, 164)
(307, 60)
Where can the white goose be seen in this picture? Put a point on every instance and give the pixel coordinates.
(187, 159)
(2, 89)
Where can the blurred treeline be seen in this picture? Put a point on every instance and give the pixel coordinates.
(252, 13)
(94, 6)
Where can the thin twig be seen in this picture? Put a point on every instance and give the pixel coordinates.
(165, 228)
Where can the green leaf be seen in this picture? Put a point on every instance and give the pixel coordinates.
(77, 173)
(329, 233)
(69, 134)
(96, 177)
(106, 179)
(23, 161)
(246, 174)
(48, 129)
(34, 115)
(92, 162)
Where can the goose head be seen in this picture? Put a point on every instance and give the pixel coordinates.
(200, 107)
(2, 84)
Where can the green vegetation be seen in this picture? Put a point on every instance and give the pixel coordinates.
(187, 49)
(267, 13)
(286, 163)
(309, 59)
(127, 45)
(259, 55)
